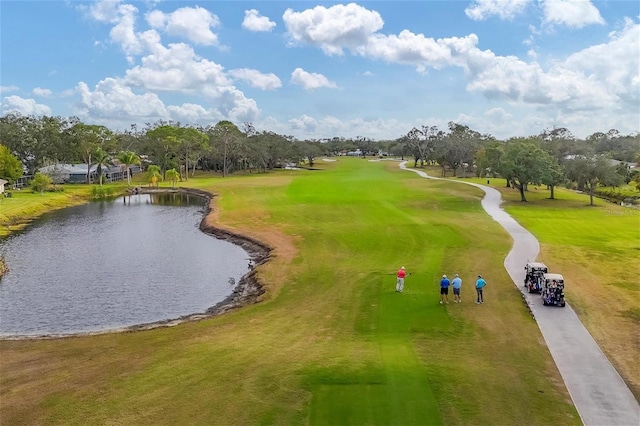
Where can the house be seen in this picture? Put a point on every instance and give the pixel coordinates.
(2, 184)
(77, 173)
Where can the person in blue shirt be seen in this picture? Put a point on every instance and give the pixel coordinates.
(444, 290)
(456, 284)
(480, 284)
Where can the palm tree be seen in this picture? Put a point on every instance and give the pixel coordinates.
(103, 160)
(153, 174)
(173, 176)
(128, 158)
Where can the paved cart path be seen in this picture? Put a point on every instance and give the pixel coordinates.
(598, 392)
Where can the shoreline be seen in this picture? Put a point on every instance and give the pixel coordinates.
(246, 292)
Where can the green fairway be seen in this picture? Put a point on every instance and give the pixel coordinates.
(332, 343)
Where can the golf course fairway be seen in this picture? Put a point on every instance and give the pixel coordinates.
(332, 343)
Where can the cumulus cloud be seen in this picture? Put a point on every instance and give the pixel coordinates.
(256, 79)
(192, 23)
(112, 99)
(570, 13)
(254, 22)
(177, 68)
(333, 28)
(24, 106)
(310, 80)
(102, 11)
(305, 123)
(39, 91)
(505, 9)
(599, 77)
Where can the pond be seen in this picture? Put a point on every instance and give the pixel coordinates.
(112, 264)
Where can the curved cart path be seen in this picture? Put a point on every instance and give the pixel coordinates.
(598, 392)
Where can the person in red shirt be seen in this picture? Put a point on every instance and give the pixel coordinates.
(400, 281)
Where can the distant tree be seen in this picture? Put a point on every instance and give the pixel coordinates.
(552, 175)
(102, 160)
(310, 151)
(524, 163)
(10, 166)
(128, 159)
(40, 182)
(588, 172)
(172, 175)
(226, 138)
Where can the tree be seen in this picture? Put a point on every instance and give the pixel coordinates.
(457, 147)
(588, 172)
(153, 174)
(191, 143)
(226, 137)
(10, 166)
(128, 158)
(524, 163)
(102, 160)
(172, 175)
(310, 151)
(163, 145)
(87, 139)
(40, 183)
(553, 175)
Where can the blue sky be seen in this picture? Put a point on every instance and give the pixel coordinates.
(324, 69)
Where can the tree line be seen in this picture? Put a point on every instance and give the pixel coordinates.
(553, 157)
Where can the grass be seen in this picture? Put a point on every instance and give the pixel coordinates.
(597, 249)
(332, 342)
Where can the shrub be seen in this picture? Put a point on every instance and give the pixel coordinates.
(102, 192)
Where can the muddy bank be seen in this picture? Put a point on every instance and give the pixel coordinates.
(246, 291)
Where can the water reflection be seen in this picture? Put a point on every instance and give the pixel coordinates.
(110, 264)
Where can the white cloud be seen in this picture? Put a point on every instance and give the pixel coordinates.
(310, 81)
(193, 113)
(24, 106)
(39, 91)
(304, 123)
(103, 11)
(113, 100)
(256, 79)
(124, 31)
(504, 9)
(570, 13)
(418, 50)
(192, 23)
(7, 89)
(254, 22)
(178, 68)
(333, 28)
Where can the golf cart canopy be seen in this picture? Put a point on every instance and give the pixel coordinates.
(537, 265)
(554, 277)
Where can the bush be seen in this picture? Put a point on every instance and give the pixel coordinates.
(40, 183)
(102, 192)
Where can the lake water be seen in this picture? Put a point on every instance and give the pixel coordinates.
(112, 264)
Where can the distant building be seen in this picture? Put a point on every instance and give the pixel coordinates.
(77, 173)
(2, 184)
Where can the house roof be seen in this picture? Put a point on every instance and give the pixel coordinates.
(2, 181)
(76, 169)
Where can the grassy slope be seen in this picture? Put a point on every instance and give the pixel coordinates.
(333, 343)
(17, 211)
(597, 249)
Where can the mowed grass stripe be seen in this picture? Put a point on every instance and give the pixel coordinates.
(332, 343)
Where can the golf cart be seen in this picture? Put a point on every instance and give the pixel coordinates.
(534, 278)
(553, 290)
